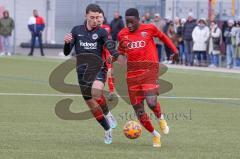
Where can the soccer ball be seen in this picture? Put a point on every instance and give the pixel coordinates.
(132, 130)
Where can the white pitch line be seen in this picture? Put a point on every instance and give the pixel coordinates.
(39, 94)
(199, 98)
(78, 95)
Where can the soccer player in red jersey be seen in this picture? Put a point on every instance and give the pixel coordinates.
(136, 42)
(110, 77)
(105, 55)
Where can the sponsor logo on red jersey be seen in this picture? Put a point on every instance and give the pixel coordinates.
(136, 44)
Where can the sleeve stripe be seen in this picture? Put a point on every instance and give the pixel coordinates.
(31, 21)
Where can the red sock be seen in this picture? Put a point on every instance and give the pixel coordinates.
(103, 104)
(157, 110)
(98, 114)
(146, 123)
(111, 84)
(101, 101)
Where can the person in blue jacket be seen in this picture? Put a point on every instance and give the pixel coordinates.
(36, 26)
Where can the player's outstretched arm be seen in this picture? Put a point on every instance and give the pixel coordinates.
(169, 43)
(68, 44)
(163, 37)
(110, 45)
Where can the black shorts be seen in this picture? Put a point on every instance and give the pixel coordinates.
(87, 77)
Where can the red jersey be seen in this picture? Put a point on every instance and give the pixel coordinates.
(142, 59)
(107, 28)
(139, 46)
(106, 53)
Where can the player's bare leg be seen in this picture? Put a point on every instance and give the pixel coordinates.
(154, 105)
(146, 123)
(97, 93)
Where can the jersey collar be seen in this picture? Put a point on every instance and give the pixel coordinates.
(86, 29)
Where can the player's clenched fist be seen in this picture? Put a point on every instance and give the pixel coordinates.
(68, 38)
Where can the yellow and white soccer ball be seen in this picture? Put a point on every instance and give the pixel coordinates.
(132, 130)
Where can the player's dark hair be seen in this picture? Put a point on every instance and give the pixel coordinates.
(132, 12)
(6, 12)
(93, 8)
(101, 11)
(105, 19)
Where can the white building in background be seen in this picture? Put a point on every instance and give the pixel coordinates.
(61, 15)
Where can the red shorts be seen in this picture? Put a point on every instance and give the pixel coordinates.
(141, 83)
(109, 65)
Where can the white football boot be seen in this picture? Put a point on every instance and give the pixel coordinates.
(108, 136)
(111, 120)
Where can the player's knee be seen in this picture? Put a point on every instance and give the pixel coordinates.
(110, 74)
(151, 104)
(97, 89)
(96, 94)
(139, 109)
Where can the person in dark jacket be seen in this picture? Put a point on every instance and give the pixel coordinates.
(188, 41)
(228, 34)
(116, 25)
(180, 41)
(169, 31)
(36, 26)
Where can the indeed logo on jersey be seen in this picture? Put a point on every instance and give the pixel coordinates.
(88, 46)
(136, 44)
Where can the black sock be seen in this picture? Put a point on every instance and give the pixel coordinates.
(105, 109)
(104, 124)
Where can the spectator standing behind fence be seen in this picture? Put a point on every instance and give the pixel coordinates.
(236, 43)
(6, 28)
(143, 19)
(116, 25)
(224, 27)
(148, 18)
(176, 21)
(233, 32)
(159, 24)
(169, 31)
(172, 34)
(215, 41)
(228, 43)
(200, 37)
(180, 40)
(187, 37)
(36, 26)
